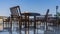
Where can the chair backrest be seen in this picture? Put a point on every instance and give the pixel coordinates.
(15, 11)
(46, 16)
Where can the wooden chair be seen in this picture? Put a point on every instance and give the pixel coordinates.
(16, 16)
(6, 23)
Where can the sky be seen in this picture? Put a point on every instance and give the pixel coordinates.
(37, 6)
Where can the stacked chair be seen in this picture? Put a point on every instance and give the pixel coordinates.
(14, 16)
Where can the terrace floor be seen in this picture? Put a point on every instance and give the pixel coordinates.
(39, 30)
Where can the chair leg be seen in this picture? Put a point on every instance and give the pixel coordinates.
(20, 26)
(3, 25)
(10, 26)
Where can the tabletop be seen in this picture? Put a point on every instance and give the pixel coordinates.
(31, 14)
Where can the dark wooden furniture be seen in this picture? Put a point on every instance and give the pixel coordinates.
(16, 13)
(6, 23)
(16, 16)
(27, 20)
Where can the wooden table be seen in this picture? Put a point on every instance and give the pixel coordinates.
(27, 20)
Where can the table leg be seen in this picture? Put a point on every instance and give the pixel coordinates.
(34, 24)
